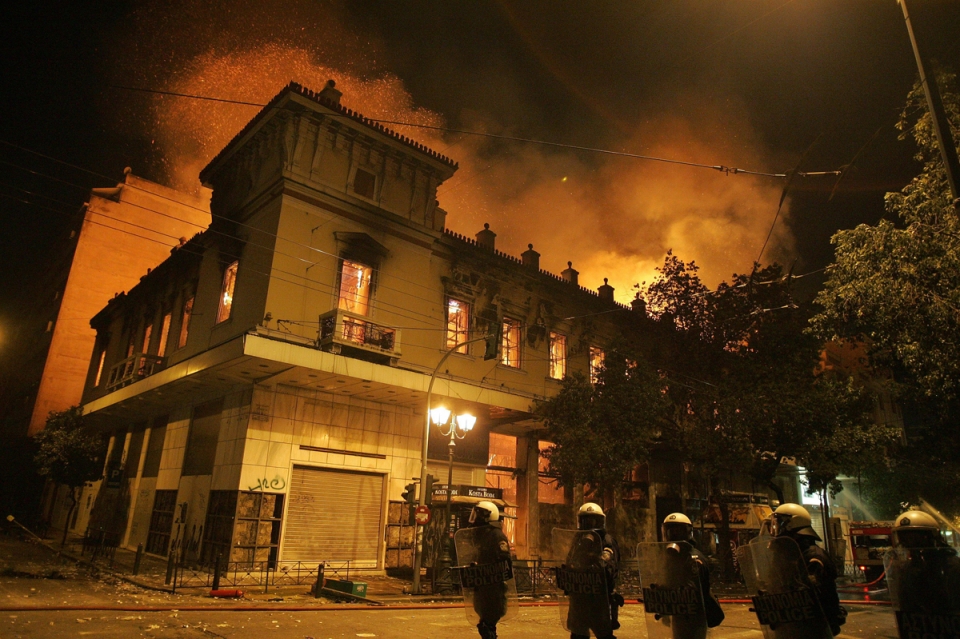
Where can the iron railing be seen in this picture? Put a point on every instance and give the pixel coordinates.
(261, 573)
(339, 328)
(133, 369)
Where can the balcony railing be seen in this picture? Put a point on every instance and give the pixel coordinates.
(341, 329)
(133, 369)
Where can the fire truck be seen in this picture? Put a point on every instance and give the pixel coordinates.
(869, 540)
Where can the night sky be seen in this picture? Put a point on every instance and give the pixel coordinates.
(745, 83)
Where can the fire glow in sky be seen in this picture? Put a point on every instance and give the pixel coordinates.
(612, 217)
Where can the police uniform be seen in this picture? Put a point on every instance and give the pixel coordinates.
(926, 579)
(587, 610)
(823, 576)
(490, 600)
(793, 521)
(492, 547)
(610, 559)
(711, 606)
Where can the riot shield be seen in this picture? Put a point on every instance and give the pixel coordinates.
(672, 595)
(925, 590)
(582, 583)
(783, 598)
(489, 590)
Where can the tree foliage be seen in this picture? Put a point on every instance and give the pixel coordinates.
(68, 452)
(896, 286)
(602, 431)
(898, 283)
(745, 393)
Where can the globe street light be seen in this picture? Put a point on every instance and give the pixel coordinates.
(455, 427)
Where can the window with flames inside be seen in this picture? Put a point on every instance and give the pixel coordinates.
(558, 355)
(355, 280)
(596, 363)
(458, 324)
(510, 346)
(226, 293)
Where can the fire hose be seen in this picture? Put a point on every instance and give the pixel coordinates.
(864, 585)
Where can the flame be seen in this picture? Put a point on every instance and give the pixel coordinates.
(612, 217)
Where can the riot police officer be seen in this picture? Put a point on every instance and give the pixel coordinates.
(677, 527)
(489, 600)
(793, 521)
(591, 517)
(926, 579)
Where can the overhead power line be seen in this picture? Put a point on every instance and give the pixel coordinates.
(508, 138)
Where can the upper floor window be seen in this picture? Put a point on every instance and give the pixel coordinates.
(185, 322)
(458, 323)
(510, 346)
(226, 292)
(364, 183)
(596, 363)
(103, 357)
(355, 280)
(558, 355)
(164, 334)
(147, 334)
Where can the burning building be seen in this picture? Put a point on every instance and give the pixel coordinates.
(265, 387)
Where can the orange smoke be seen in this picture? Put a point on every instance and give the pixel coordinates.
(616, 217)
(612, 217)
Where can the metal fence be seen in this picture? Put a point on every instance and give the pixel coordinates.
(262, 573)
(536, 577)
(99, 545)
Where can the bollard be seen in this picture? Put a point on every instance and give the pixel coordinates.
(177, 566)
(319, 585)
(266, 582)
(170, 564)
(137, 559)
(216, 573)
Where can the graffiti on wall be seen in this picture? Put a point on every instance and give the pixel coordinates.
(277, 483)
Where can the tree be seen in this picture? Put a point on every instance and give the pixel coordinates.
(602, 431)
(69, 453)
(742, 379)
(896, 286)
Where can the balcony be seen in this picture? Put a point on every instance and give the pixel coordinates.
(133, 369)
(341, 330)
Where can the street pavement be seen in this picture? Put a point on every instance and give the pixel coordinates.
(70, 600)
(387, 622)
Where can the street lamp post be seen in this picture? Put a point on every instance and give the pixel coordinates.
(418, 549)
(450, 426)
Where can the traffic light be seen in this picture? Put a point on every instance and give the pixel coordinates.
(410, 493)
(428, 489)
(493, 340)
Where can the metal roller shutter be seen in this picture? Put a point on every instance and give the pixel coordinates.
(334, 516)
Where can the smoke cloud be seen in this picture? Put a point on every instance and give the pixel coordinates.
(612, 217)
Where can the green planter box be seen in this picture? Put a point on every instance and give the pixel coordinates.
(356, 588)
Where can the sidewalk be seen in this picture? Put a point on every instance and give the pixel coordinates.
(25, 558)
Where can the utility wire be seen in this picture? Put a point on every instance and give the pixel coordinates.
(213, 215)
(331, 289)
(524, 326)
(509, 138)
(216, 216)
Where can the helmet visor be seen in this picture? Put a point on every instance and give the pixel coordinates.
(677, 532)
(915, 537)
(590, 521)
(779, 524)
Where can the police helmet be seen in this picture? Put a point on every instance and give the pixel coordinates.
(677, 527)
(916, 529)
(591, 517)
(484, 512)
(792, 520)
